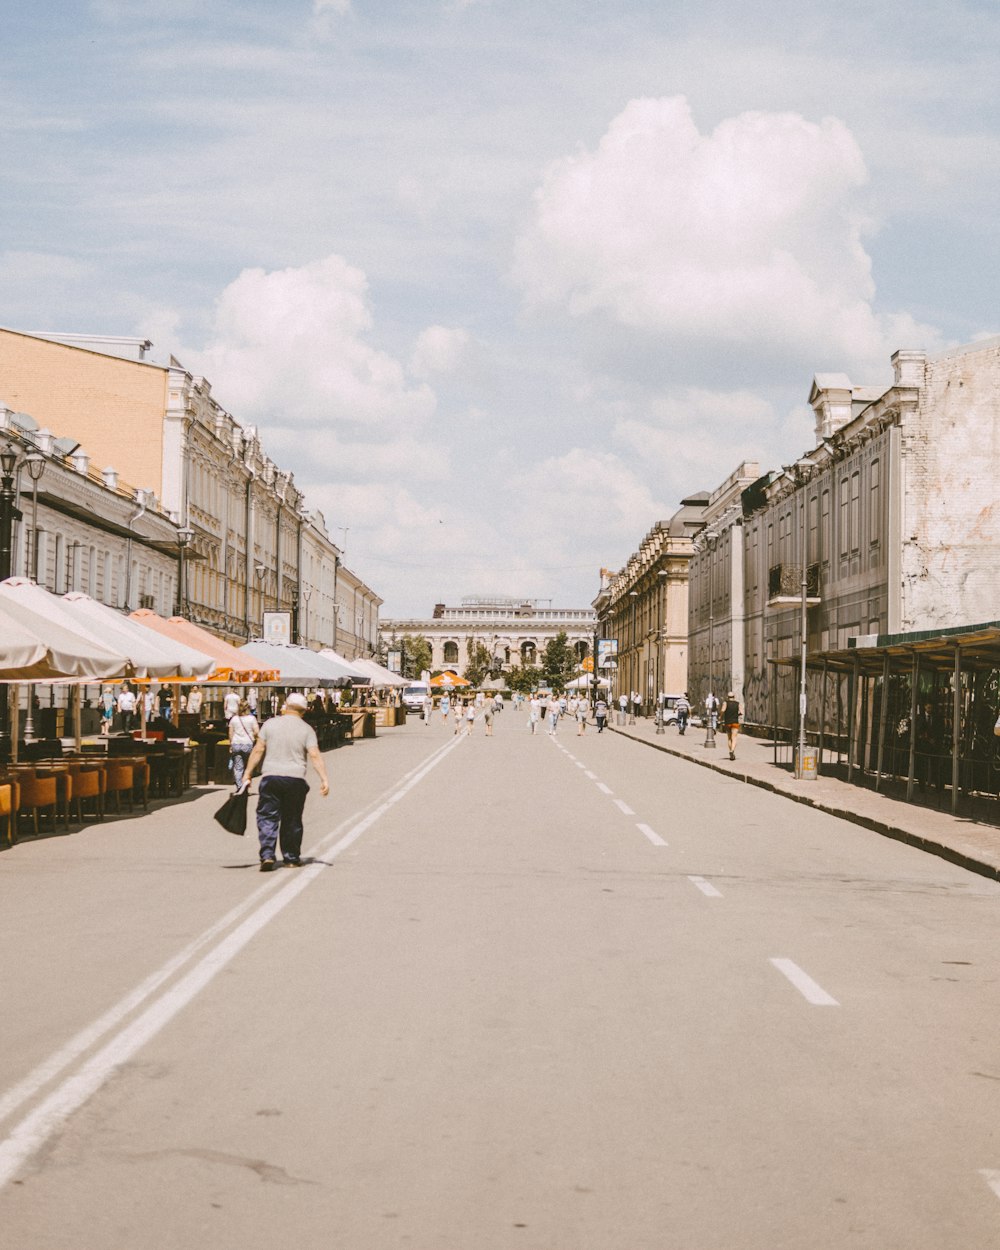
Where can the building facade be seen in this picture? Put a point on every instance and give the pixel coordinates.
(890, 524)
(514, 632)
(252, 545)
(644, 607)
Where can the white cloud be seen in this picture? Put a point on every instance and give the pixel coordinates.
(438, 349)
(290, 346)
(751, 235)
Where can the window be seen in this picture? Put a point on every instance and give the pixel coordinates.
(875, 526)
(855, 511)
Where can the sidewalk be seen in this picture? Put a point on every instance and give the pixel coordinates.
(961, 841)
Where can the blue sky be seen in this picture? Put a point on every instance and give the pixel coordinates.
(502, 281)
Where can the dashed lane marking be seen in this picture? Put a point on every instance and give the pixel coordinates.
(804, 983)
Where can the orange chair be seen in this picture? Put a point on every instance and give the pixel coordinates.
(38, 793)
(88, 783)
(120, 780)
(7, 810)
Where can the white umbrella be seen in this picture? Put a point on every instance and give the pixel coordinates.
(68, 651)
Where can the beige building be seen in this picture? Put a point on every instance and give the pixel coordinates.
(514, 631)
(253, 547)
(644, 607)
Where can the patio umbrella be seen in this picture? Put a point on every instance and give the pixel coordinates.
(68, 650)
(148, 655)
(299, 666)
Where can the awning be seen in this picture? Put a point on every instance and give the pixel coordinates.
(39, 646)
(299, 666)
(230, 664)
(379, 676)
(148, 655)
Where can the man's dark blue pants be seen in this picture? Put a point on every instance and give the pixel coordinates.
(279, 815)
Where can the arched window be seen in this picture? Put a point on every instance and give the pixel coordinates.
(451, 653)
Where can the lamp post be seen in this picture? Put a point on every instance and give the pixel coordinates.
(660, 675)
(9, 513)
(35, 462)
(184, 536)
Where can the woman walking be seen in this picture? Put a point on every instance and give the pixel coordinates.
(243, 733)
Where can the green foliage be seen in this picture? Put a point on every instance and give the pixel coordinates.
(417, 655)
(478, 663)
(558, 662)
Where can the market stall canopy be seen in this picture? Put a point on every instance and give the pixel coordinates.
(300, 666)
(148, 655)
(230, 663)
(36, 645)
(448, 681)
(379, 676)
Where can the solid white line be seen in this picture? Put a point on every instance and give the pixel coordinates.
(706, 887)
(804, 983)
(604, 789)
(653, 837)
(28, 1136)
(992, 1178)
(623, 807)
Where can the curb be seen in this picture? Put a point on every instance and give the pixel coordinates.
(896, 832)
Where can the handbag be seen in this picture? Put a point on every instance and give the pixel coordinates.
(232, 815)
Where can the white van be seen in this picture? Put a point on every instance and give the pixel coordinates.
(414, 695)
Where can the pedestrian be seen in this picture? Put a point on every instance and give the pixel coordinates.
(243, 733)
(284, 748)
(126, 707)
(683, 709)
(582, 709)
(731, 722)
(601, 715)
(107, 709)
(194, 701)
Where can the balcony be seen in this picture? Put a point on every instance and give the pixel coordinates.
(784, 585)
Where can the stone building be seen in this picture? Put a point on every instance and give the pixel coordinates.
(253, 546)
(893, 516)
(514, 631)
(644, 607)
(716, 603)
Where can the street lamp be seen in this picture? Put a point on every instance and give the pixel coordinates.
(660, 674)
(184, 536)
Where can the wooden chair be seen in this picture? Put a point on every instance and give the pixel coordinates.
(120, 780)
(38, 793)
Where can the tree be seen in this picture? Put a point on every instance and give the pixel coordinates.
(417, 655)
(558, 662)
(478, 663)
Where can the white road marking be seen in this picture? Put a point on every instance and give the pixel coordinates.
(804, 983)
(604, 789)
(706, 887)
(623, 807)
(27, 1137)
(992, 1178)
(653, 837)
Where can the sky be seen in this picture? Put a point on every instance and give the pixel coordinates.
(501, 282)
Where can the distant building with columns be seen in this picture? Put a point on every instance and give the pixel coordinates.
(514, 631)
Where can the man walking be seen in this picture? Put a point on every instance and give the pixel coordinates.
(285, 745)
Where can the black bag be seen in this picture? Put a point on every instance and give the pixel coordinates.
(232, 815)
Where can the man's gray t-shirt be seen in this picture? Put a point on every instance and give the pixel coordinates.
(287, 740)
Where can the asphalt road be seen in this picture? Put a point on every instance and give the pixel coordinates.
(553, 994)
